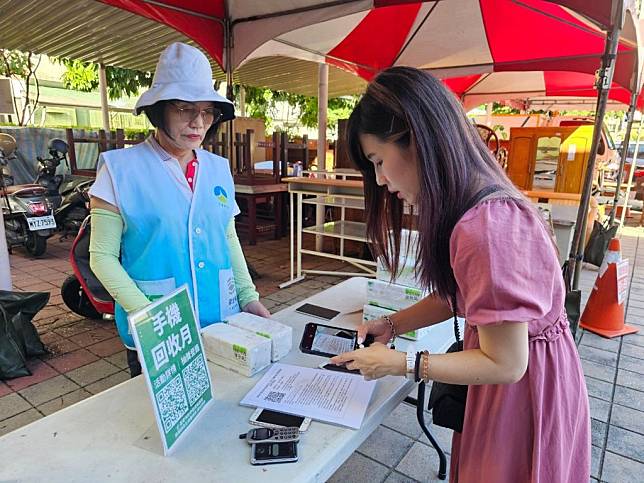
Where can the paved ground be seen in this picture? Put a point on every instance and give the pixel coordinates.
(87, 358)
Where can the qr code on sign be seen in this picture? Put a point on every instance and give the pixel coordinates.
(172, 403)
(275, 397)
(195, 378)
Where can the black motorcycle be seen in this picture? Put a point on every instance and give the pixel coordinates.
(28, 216)
(67, 196)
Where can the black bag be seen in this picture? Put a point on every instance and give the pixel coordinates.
(21, 307)
(447, 401)
(18, 337)
(598, 242)
(573, 299)
(12, 354)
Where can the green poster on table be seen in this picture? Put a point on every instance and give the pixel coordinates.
(174, 363)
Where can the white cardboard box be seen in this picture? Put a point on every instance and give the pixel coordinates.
(406, 273)
(237, 349)
(392, 296)
(371, 312)
(280, 335)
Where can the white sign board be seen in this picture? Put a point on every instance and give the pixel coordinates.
(622, 281)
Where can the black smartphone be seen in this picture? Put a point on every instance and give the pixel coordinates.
(317, 311)
(339, 368)
(272, 453)
(328, 341)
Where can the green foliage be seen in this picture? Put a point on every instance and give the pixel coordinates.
(83, 76)
(498, 108)
(21, 67)
(263, 104)
(499, 129)
(14, 63)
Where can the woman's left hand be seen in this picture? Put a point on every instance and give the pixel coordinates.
(256, 308)
(374, 361)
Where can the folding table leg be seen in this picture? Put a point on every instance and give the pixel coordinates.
(419, 402)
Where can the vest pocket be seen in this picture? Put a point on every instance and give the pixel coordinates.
(228, 304)
(154, 289)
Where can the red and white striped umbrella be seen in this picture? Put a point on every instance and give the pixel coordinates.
(447, 37)
(527, 86)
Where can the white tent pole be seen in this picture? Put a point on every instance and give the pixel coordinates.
(102, 87)
(242, 101)
(323, 100)
(622, 160)
(488, 114)
(633, 167)
(5, 271)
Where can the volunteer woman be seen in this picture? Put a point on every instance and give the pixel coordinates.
(526, 415)
(167, 207)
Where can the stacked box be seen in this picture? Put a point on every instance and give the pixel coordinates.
(237, 349)
(391, 296)
(386, 295)
(280, 335)
(406, 273)
(371, 312)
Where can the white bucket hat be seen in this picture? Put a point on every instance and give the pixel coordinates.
(183, 73)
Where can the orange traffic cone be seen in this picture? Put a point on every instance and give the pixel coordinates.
(604, 312)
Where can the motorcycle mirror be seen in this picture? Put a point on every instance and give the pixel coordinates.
(58, 145)
(7, 144)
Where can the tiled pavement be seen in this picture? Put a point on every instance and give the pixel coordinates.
(86, 358)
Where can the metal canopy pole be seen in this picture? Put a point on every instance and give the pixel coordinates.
(622, 161)
(604, 81)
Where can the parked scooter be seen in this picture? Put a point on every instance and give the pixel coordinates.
(67, 197)
(82, 292)
(28, 217)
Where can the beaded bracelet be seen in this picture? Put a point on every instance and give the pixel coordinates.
(392, 328)
(426, 366)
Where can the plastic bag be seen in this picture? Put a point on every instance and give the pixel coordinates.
(12, 354)
(598, 242)
(19, 338)
(21, 307)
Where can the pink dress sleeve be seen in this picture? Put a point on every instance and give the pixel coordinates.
(505, 264)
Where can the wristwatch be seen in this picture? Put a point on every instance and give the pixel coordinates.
(410, 373)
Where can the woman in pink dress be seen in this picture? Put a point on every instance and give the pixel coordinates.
(526, 414)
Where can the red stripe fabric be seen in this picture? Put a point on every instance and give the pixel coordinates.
(528, 36)
(460, 85)
(596, 10)
(206, 32)
(375, 42)
(581, 85)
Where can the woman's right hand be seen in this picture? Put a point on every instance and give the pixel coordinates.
(379, 329)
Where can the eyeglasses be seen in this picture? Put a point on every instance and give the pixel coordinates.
(209, 115)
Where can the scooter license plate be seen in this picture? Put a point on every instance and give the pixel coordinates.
(41, 223)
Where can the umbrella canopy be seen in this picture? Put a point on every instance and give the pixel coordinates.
(472, 36)
(271, 41)
(532, 86)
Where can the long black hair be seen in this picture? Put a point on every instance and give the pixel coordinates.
(415, 111)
